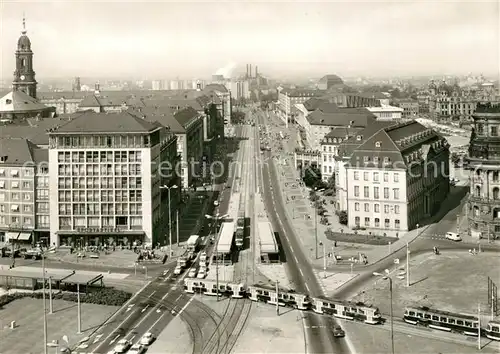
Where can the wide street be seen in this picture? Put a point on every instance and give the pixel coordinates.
(319, 335)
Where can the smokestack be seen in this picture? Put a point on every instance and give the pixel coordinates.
(256, 71)
(250, 70)
(248, 74)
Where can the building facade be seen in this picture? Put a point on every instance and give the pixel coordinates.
(411, 108)
(386, 112)
(397, 176)
(17, 190)
(104, 182)
(484, 163)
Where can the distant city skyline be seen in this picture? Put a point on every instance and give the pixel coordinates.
(169, 39)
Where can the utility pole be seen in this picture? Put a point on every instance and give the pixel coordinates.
(177, 223)
(277, 299)
(169, 224)
(407, 265)
(44, 307)
(479, 326)
(392, 316)
(50, 296)
(79, 309)
(316, 228)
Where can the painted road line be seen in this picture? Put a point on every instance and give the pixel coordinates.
(121, 323)
(97, 338)
(114, 339)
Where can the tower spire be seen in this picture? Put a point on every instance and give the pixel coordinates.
(24, 24)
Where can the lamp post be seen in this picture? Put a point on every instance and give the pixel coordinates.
(79, 309)
(44, 307)
(168, 188)
(386, 276)
(324, 259)
(316, 221)
(216, 219)
(51, 308)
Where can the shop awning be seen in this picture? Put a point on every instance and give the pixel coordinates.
(19, 236)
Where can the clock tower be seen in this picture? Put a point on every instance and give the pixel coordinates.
(24, 76)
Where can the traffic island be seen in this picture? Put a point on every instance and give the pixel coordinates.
(452, 281)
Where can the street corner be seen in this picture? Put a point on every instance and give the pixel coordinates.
(332, 281)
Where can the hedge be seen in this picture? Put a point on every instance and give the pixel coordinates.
(103, 296)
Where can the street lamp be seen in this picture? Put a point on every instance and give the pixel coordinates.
(44, 306)
(316, 221)
(324, 259)
(386, 276)
(216, 219)
(168, 188)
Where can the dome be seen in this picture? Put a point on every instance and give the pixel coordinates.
(24, 43)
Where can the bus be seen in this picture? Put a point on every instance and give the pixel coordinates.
(240, 229)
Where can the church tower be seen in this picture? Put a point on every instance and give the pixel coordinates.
(24, 76)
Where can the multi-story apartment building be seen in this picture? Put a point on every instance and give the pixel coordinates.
(187, 125)
(411, 108)
(240, 89)
(63, 102)
(225, 100)
(17, 190)
(330, 150)
(101, 104)
(42, 193)
(397, 176)
(484, 163)
(289, 98)
(104, 180)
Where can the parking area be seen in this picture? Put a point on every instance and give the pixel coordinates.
(27, 336)
(451, 281)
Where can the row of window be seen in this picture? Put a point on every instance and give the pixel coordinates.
(327, 169)
(376, 208)
(376, 222)
(99, 156)
(97, 183)
(376, 176)
(16, 184)
(16, 220)
(103, 196)
(16, 196)
(15, 208)
(366, 192)
(27, 172)
(96, 169)
(123, 141)
(100, 209)
(125, 222)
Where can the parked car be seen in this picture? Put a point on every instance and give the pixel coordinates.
(178, 270)
(338, 332)
(137, 349)
(192, 273)
(122, 346)
(147, 339)
(33, 254)
(202, 273)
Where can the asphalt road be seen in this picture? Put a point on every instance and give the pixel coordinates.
(155, 306)
(319, 333)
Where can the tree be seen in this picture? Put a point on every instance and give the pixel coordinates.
(237, 117)
(312, 177)
(330, 184)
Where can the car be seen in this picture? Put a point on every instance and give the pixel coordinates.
(192, 273)
(202, 273)
(136, 349)
(203, 257)
(178, 270)
(453, 236)
(338, 331)
(122, 346)
(147, 339)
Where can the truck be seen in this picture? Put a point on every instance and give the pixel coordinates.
(193, 243)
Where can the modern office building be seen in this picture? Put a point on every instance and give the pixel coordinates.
(104, 180)
(393, 175)
(484, 163)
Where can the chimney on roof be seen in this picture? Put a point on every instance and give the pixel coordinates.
(97, 90)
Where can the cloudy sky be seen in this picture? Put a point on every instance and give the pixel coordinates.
(162, 39)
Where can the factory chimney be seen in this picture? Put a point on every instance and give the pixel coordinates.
(250, 70)
(256, 71)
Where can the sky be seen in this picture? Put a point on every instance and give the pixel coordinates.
(164, 39)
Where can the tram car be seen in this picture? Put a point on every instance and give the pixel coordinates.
(442, 320)
(284, 297)
(493, 330)
(209, 287)
(347, 310)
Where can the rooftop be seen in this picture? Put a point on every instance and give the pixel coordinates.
(32, 129)
(90, 122)
(330, 114)
(215, 87)
(15, 151)
(163, 115)
(18, 101)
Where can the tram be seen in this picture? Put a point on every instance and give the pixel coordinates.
(347, 310)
